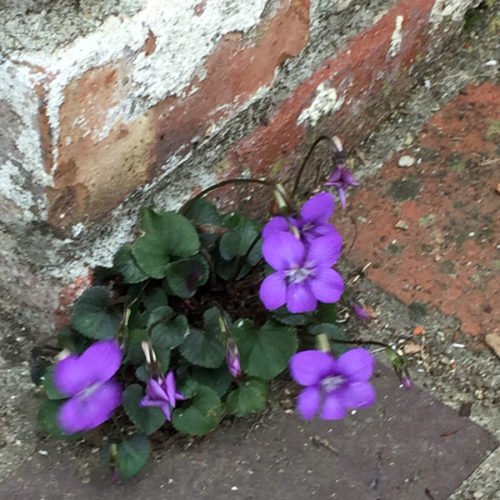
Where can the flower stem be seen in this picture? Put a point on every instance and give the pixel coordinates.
(183, 210)
(322, 342)
(306, 159)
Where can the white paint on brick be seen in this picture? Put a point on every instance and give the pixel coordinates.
(451, 10)
(11, 181)
(17, 89)
(183, 41)
(396, 37)
(324, 102)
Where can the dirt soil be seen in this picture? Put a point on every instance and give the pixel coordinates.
(446, 361)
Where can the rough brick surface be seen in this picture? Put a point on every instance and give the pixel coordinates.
(105, 110)
(449, 254)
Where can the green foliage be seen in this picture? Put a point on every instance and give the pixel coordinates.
(148, 420)
(68, 339)
(167, 332)
(249, 398)
(201, 416)
(125, 264)
(206, 216)
(218, 379)
(186, 275)
(205, 347)
(152, 299)
(264, 351)
(48, 384)
(168, 235)
(47, 419)
(132, 455)
(94, 315)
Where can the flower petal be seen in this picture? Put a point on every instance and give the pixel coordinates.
(283, 251)
(71, 376)
(310, 367)
(357, 395)
(169, 386)
(272, 291)
(300, 298)
(341, 192)
(166, 409)
(103, 358)
(317, 231)
(97, 364)
(318, 209)
(328, 285)
(333, 409)
(335, 177)
(86, 413)
(308, 402)
(155, 391)
(360, 312)
(278, 224)
(325, 251)
(357, 364)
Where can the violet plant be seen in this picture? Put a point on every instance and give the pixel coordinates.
(199, 313)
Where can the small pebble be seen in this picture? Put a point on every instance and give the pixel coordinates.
(401, 224)
(478, 494)
(406, 161)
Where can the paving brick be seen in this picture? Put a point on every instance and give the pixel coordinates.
(449, 255)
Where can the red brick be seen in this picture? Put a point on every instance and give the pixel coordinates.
(448, 256)
(355, 73)
(234, 72)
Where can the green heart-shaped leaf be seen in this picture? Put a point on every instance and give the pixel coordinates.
(219, 379)
(94, 316)
(133, 454)
(265, 351)
(125, 264)
(201, 416)
(148, 419)
(205, 348)
(238, 240)
(250, 397)
(169, 333)
(167, 235)
(186, 275)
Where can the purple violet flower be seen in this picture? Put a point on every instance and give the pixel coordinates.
(332, 386)
(233, 358)
(303, 272)
(313, 221)
(162, 393)
(361, 312)
(341, 179)
(86, 379)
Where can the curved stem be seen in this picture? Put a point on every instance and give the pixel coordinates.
(242, 260)
(306, 159)
(188, 203)
(355, 237)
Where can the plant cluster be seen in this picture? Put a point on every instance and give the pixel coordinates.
(198, 314)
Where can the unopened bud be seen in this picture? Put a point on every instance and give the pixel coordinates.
(233, 358)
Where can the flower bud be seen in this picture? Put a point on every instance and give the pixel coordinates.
(233, 358)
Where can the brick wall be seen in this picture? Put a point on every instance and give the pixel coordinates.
(115, 104)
